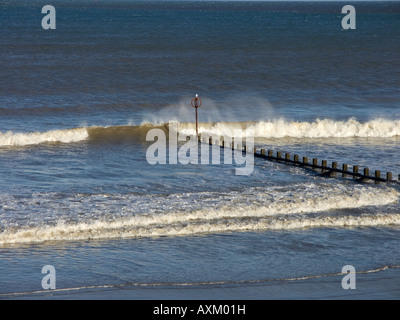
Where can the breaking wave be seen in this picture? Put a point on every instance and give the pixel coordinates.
(133, 227)
(325, 128)
(32, 138)
(256, 209)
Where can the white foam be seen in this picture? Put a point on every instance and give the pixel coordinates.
(255, 210)
(132, 228)
(320, 128)
(22, 139)
(280, 128)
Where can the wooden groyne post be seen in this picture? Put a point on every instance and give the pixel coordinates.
(323, 168)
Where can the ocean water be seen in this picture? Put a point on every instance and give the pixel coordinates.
(77, 191)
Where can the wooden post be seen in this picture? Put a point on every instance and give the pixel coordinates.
(324, 165)
(377, 176)
(355, 171)
(314, 162)
(344, 168)
(334, 167)
(332, 171)
(210, 140)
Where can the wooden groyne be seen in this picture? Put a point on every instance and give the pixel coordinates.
(322, 167)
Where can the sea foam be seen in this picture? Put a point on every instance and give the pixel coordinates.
(320, 128)
(273, 208)
(32, 138)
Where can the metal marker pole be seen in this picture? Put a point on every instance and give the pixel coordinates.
(196, 103)
(197, 125)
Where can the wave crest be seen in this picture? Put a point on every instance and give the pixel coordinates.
(326, 128)
(320, 128)
(23, 139)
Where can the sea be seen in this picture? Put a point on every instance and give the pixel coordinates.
(84, 213)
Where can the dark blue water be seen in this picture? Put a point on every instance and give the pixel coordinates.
(76, 103)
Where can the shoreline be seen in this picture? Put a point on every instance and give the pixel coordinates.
(380, 285)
